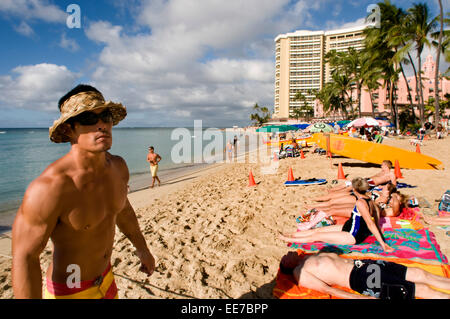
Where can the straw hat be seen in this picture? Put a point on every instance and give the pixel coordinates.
(79, 103)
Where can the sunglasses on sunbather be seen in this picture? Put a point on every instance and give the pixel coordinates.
(91, 118)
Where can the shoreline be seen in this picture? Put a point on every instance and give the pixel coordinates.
(137, 182)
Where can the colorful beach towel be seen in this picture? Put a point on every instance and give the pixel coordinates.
(286, 287)
(420, 245)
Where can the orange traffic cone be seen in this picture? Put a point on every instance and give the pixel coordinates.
(398, 173)
(251, 179)
(417, 148)
(275, 157)
(301, 154)
(290, 175)
(341, 174)
(329, 154)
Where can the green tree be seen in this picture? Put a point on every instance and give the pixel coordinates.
(305, 111)
(439, 47)
(379, 40)
(418, 27)
(261, 116)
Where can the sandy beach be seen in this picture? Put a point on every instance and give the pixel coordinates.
(215, 237)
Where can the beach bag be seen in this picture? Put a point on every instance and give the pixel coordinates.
(314, 219)
(444, 205)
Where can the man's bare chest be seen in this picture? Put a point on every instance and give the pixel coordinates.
(95, 202)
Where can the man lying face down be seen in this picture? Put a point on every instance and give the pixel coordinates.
(371, 278)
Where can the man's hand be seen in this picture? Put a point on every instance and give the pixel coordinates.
(147, 262)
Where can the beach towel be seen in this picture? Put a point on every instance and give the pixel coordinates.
(408, 218)
(103, 287)
(411, 213)
(442, 213)
(420, 245)
(287, 288)
(314, 219)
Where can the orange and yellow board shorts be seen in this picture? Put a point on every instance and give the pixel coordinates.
(104, 287)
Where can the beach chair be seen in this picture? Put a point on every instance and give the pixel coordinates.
(289, 152)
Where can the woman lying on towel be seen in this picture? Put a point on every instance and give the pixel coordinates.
(386, 197)
(322, 271)
(356, 229)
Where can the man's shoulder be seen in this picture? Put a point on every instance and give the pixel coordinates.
(53, 180)
(117, 160)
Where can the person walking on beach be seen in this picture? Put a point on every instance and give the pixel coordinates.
(77, 202)
(235, 147)
(153, 158)
(229, 150)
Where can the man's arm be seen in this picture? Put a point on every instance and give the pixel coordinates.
(33, 225)
(308, 280)
(129, 226)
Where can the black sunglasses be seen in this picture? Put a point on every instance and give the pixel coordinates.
(91, 118)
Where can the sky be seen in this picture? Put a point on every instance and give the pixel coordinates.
(170, 62)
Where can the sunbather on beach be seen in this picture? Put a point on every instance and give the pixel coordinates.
(355, 230)
(385, 197)
(385, 176)
(437, 220)
(323, 270)
(77, 202)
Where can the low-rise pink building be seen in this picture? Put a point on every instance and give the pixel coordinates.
(381, 95)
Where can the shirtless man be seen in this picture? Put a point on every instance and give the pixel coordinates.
(385, 176)
(323, 270)
(77, 202)
(153, 159)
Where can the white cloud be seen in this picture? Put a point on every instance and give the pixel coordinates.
(203, 58)
(36, 87)
(68, 44)
(24, 29)
(33, 10)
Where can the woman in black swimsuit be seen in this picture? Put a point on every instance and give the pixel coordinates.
(354, 231)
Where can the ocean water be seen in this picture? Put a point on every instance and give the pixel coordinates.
(25, 153)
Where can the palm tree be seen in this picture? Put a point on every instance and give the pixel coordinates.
(260, 119)
(335, 94)
(399, 42)
(377, 40)
(418, 27)
(440, 46)
(305, 109)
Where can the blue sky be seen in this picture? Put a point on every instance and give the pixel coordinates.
(169, 62)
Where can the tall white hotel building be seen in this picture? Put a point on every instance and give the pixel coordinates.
(299, 63)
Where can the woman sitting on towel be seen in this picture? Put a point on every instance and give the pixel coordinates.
(385, 197)
(359, 226)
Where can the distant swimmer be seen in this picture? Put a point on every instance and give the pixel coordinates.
(153, 159)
